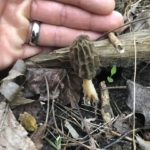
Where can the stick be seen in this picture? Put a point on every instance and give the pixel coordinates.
(106, 109)
(105, 50)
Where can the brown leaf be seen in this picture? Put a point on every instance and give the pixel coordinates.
(142, 105)
(12, 134)
(10, 85)
(143, 24)
(64, 86)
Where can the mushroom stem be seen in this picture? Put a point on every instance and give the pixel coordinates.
(89, 91)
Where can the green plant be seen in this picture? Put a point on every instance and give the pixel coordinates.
(113, 72)
(56, 144)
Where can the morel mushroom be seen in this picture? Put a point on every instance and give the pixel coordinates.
(85, 62)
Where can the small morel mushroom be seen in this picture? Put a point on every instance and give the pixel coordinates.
(85, 62)
(28, 121)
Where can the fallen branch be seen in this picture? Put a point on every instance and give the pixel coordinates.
(106, 109)
(105, 50)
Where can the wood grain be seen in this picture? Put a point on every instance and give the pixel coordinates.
(140, 40)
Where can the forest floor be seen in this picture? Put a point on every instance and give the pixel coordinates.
(51, 100)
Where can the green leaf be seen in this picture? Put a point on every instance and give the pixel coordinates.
(113, 70)
(110, 79)
(58, 143)
(50, 142)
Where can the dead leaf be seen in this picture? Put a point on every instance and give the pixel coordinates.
(10, 85)
(20, 100)
(9, 90)
(143, 24)
(12, 135)
(71, 129)
(62, 86)
(121, 124)
(142, 105)
(144, 145)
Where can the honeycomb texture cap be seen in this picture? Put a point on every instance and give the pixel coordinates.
(83, 58)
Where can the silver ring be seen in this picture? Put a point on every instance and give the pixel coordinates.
(35, 29)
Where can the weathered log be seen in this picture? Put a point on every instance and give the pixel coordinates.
(108, 55)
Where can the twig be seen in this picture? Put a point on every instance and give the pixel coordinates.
(87, 126)
(82, 144)
(53, 101)
(118, 140)
(116, 42)
(53, 113)
(106, 109)
(119, 135)
(118, 88)
(71, 114)
(134, 90)
(126, 24)
(48, 98)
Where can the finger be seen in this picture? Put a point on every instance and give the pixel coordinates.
(6, 59)
(71, 17)
(60, 36)
(94, 6)
(2, 7)
(29, 51)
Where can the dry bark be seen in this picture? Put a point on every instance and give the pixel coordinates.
(107, 53)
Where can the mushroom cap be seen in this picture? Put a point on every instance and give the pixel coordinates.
(83, 57)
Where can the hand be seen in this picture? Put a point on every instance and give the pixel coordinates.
(61, 22)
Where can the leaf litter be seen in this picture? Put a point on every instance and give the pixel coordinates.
(87, 129)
